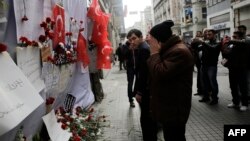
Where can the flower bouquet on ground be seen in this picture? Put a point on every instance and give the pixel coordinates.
(83, 124)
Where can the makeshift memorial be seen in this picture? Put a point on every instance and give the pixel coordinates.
(83, 124)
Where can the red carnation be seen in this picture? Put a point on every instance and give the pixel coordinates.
(64, 126)
(69, 34)
(23, 39)
(50, 59)
(43, 24)
(3, 47)
(42, 38)
(50, 100)
(81, 29)
(34, 44)
(48, 20)
(78, 109)
(76, 138)
(24, 18)
(29, 43)
(83, 132)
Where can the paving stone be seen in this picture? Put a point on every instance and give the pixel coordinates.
(206, 122)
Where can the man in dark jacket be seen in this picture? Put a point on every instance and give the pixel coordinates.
(171, 76)
(209, 60)
(136, 58)
(236, 53)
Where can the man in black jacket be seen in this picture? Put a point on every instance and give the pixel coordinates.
(209, 60)
(136, 58)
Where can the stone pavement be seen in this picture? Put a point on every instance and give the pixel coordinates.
(205, 122)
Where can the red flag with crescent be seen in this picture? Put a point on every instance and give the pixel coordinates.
(59, 30)
(94, 12)
(82, 55)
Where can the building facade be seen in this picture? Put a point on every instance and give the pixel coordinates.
(116, 28)
(194, 18)
(220, 17)
(241, 10)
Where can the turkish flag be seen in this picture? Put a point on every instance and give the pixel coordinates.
(82, 55)
(94, 12)
(59, 29)
(100, 35)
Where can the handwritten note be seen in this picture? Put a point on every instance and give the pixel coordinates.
(54, 129)
(28, 60)
(50, 74)
(18, 97)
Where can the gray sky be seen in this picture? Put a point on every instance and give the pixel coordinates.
(134, 5)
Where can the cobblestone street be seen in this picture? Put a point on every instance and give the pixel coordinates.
(205, 122)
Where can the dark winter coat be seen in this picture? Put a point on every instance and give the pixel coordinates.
(237, 54)
(137, 59)
(171, 78)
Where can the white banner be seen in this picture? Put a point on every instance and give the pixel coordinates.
(28, 60)
(33, 10)
(18, 98)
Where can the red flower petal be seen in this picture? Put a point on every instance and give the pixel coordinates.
(3, 47)
(48, 20)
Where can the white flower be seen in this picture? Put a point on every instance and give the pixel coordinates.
(92, 134)
(61, 44)
(99, 131)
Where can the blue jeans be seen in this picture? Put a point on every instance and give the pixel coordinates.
(209, 76)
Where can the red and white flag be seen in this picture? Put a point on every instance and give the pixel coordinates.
(59, 30)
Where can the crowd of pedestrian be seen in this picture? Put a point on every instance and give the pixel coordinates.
(235, 52)
(160, 75)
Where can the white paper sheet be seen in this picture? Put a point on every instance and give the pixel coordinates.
(18, 98)
(54, 129)
(28, 60)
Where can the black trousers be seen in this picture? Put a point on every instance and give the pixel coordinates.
(238, 83)
(131, 77)
(148, 125)
(199, 79)
(174, 132)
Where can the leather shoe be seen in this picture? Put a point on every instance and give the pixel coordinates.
(213, 102)
(196, 94)
(204, 100)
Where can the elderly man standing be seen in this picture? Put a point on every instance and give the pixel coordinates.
(171, 75)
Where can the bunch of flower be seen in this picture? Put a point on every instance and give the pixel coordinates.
(62, 55)
(83, 124)
(48, 26)
(3, 47)
(24, 42)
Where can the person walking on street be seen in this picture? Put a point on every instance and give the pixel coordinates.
(120, 54)
(137, 67)
(170, 66)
